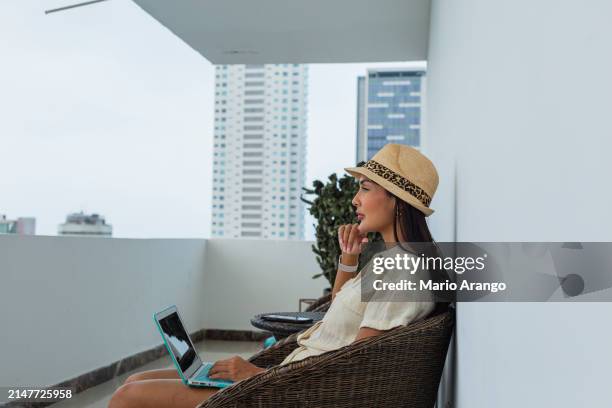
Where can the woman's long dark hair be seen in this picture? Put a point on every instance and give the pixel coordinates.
(412, 223)
(413, 228)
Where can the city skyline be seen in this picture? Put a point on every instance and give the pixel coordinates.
(107, 111)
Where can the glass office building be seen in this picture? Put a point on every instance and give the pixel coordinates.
(389, 109)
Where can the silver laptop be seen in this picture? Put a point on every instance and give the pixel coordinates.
(190, 367)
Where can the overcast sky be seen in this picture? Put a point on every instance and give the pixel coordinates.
(105, 110)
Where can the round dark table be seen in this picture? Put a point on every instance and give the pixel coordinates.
(281, 330)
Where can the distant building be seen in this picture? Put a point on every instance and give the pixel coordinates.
(259, 161)
(389, 109)
(20, 226)
(85, 224)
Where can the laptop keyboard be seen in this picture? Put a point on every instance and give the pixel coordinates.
(203, 374)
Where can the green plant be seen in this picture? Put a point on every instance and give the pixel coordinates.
(332, 208)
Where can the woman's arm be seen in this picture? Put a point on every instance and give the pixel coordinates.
(367, 332)
(341, 276)
(350, 240)
(234, 368)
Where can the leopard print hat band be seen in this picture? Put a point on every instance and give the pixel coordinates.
(402, 182)
(403, 171)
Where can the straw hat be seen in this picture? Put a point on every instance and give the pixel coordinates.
(404, 172)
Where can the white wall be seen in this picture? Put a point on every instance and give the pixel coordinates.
(246, 277)
(519, 96)
(71, 305)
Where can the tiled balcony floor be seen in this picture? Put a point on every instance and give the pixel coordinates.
(209, 350)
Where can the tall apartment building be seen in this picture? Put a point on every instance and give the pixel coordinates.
(389, 109)
(259, 160)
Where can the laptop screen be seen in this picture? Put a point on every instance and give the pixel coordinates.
(178, 340)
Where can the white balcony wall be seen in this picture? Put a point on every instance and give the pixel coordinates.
(245, 277)
(519, 97)
(71, 305)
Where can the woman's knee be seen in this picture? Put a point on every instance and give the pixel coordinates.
(135, 377)
(125, 396)
(152, 375)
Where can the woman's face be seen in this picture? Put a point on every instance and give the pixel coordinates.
(374, 206)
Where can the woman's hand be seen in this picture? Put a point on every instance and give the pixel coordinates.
(233, 368)
(350, 239)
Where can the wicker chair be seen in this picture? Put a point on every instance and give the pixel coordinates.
(321, 304)
(399, 368)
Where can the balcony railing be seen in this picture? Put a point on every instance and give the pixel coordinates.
(72, 305)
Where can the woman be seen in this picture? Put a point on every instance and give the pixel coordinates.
(395, 190)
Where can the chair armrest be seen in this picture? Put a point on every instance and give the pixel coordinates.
(276, 353)
(321, 304)
(333, 379)
(291, 385)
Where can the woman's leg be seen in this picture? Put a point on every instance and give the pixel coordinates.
(159, 393)
(166, 373)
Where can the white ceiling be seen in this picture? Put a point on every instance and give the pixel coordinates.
(292, 31)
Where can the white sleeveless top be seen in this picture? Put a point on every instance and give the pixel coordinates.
(347, 314)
